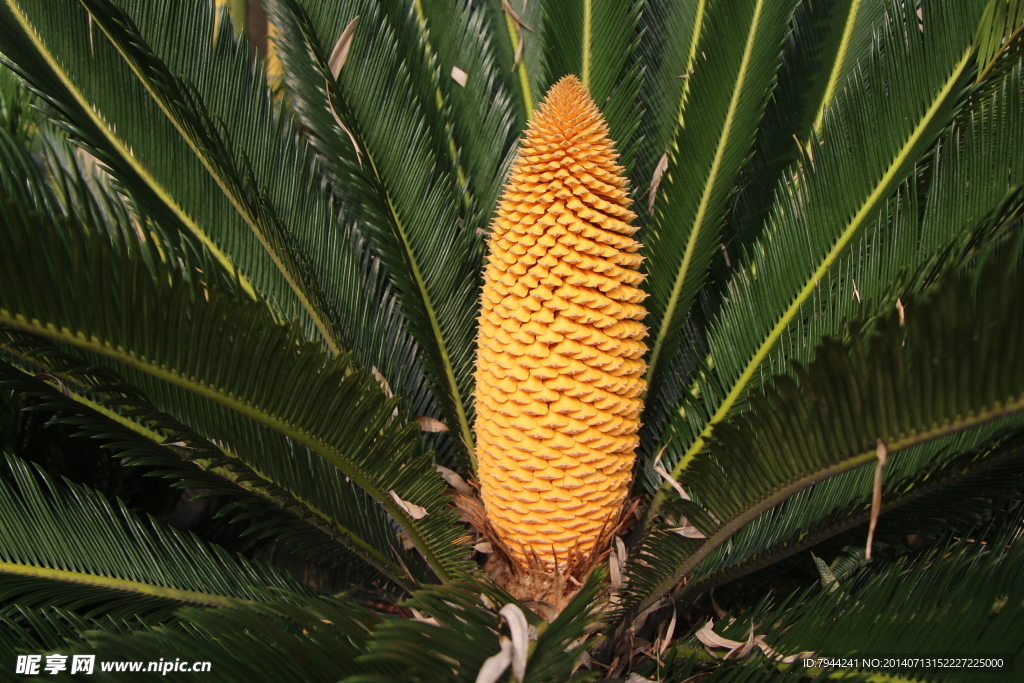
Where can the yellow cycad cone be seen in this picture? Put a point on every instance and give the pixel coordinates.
(559, 358)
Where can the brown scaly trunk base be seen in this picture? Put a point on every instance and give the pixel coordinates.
(544, 591)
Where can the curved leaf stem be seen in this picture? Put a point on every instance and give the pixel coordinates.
(524, 76)
(588, 20)
(698, 23)
(866, 210)
(125, 153)
(460, 410)
(1006, 46)
(329, 525)
(731, 526)
(765, 560)
(125, 585)
(228, 400)
(705, 198)
(837, 65)
(218, 175)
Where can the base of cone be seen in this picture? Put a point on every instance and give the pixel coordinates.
(543, 586)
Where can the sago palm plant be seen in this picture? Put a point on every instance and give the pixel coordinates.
(511, 331)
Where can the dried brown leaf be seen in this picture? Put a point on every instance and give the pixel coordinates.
(882, 454)
(666, 640)
(614, 570)
(429, 424)
(340, 52)
(708, 636)
(689, 532)
(652, 190)
(495, 665)
(672, 482)
(411, 509)
(454, 480)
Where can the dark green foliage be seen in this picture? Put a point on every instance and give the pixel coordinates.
(226, 303)
(70, 529)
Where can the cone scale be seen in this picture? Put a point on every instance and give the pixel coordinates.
(559, 367)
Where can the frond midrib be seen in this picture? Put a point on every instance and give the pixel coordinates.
(756, 508)
(698, 24)
(709, 186)
(866, 209)
(837, 65)
(516, 36)
(126, 155)
(428, 302)
(50, 331)
(763, 560)
(245, 212)
(125, 585)
(328, 524)
(588, 20)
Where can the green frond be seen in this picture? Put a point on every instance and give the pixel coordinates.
(218, 126)
(286, 475)
(17, 116)
(94, 93)
(875, 134)
(860, 20)
(303, 640)
(29, 630)
(159, 324)
(945, 369)
(372, 312)
(315, 513)
(256, 293)
(940, 470)
(482, 111)
(65, 545)
(412, 45)
(671, 31)
(964, 157)
(525, 50)
(328, 254)
(825, 41)
(968, 502)
(407, 212)
(922, 223)
(906, 609)
(1002, 23)
(55, 177)
(728, 90)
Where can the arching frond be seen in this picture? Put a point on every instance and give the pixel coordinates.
(938, 469)
(307, 639)
(314, 520)
(97, 96)
(907, 609)
(267, 373)
(825, 43)
(667, 52)
(375, 148)
(731, 81)
(65, 545)
(483, 110)
(1002, 24)
(942, 370)
(879, 130)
